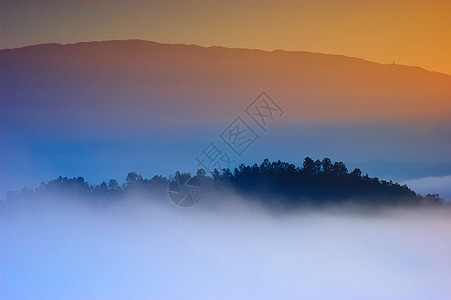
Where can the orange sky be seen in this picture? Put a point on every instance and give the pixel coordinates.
(408, 32)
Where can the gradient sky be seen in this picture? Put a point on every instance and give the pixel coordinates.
(407, 32)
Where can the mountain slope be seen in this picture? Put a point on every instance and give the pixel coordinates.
(139, 83)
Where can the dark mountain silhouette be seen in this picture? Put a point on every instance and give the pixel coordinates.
(275, 184)
(98, 85)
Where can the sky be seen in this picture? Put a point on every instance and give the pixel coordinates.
(405, 32)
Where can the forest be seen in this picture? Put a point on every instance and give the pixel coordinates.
(315, 183)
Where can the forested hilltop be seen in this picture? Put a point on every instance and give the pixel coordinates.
(273, 183)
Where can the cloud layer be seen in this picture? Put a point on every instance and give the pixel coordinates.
(140, 249)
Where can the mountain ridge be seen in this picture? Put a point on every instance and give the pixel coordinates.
(138, 79)
(227, 48)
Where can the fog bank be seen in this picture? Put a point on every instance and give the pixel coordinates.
(430, 185)
(139, 249)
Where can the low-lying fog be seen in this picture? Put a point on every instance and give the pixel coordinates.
(430, 185)
(136, 249)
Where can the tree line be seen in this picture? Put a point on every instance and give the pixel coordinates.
(273, 183)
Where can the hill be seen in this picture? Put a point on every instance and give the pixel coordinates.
(273, 184)
(140, 83)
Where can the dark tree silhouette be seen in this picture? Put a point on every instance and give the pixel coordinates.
(273, 183)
